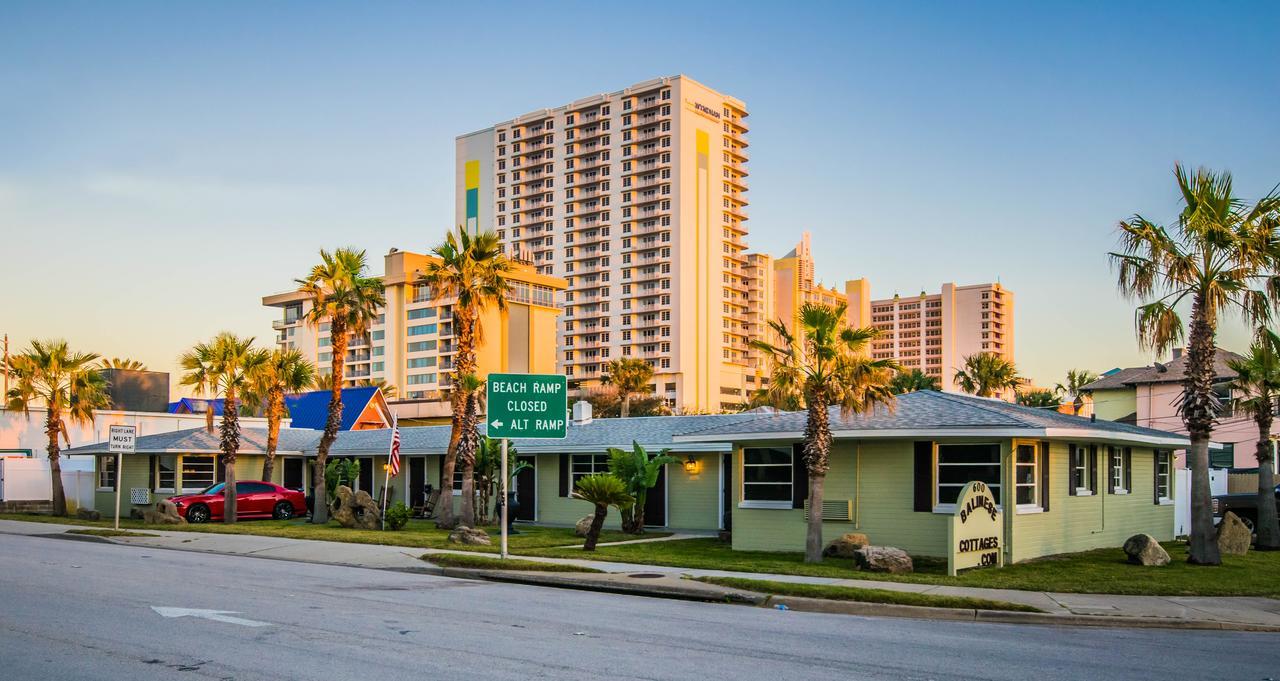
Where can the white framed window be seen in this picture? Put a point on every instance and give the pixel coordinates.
(958, 464)
(1081, 465)
(1164, 477)
(166, 472)
(106, 472)
(1026, 476)
(198, 472)
(582, 465)
(1117, 470)
(767, 477)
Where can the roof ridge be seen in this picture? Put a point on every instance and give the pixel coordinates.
(975, 401)
(758, 417)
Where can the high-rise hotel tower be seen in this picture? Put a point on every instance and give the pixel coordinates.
(638, 199)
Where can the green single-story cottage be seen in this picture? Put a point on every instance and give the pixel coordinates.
(1075, 483)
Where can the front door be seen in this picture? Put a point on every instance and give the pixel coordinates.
(655, 504)
(726, 492)
(417, 480)
(527, 491)
(293, 473)
(365, 480)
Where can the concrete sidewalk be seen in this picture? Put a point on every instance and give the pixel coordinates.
(1202, 612)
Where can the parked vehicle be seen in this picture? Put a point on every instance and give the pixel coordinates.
(1243, 504)
(254, 499)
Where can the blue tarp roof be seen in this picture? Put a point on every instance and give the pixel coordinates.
(194, 405)
(311, 409)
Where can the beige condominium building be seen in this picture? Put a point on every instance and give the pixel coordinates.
(637, 198)
(411, 346)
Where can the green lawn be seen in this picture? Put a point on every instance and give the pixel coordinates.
(418, 533)
(491, 563)
(851, 593)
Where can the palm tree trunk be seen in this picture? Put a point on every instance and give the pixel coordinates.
(813, 533)
(1198, 413)
(626, 404)
(636, 523)
(230, 445)
(1267, 525)
(208, 417)
(593, 532)
(817, 450)
(275, 410)
(468, 496)
(53, 428)
(444, 514)
(333, 422)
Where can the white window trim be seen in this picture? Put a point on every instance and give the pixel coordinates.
(1165, 501)
(764, 503)
(777, 505)
(97, 474)
(1027, 509)
(1120, 492)
(1084, 492)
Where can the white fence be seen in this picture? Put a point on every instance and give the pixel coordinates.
(1182, 497)
(28, 480)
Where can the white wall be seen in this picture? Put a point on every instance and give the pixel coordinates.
(1182, 497)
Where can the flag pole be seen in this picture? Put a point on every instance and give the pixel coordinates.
(505, 498)
(386, 477)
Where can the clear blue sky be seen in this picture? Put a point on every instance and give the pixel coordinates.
(163, 165)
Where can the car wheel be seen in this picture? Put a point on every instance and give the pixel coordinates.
(283, 511)
(1248, 522)
(198, 514)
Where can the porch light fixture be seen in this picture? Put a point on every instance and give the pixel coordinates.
(691, 465)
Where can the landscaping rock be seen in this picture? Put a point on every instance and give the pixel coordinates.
(1143, 549)
(471, 537)
(883, 559)
(845, 545)
(163, 513)
(88, 514)
(583, 525)
(136, 514)
(356, 510)
(1234, 536)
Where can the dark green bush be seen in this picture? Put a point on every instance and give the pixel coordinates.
(397, 516)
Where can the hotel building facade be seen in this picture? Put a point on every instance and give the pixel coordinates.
(411, 346)
(637, 199)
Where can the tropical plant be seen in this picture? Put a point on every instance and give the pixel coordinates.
(1042, 398)
(69, 387)
(987, 374)
(470, 387)
(913, 381)
(785, 391)
(284, 372)
(472, 270)
(488, 475)
(1073, 389)
(1220, 256)
(121, 363)
(601, 491)
(342, 294)
(224, 367)
(827, 365)
(630, 375)
(397, 516)
(388, 389)
(638, 470)
(340, 472)
(606, 402)
(1258, 382)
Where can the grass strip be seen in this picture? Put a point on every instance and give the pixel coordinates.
(853, 593)
(476, 562)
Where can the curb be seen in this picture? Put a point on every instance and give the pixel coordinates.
(563, 581)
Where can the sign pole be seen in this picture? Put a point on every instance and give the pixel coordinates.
(119, 482)
(121, 440)
(505, 499)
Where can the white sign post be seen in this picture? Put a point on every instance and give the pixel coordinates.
(975, 537)
(122, 440)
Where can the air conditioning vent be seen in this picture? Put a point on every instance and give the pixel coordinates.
(834, 510)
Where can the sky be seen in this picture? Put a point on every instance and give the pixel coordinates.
(165, 165)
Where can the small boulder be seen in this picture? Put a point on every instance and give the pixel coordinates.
(1143, 549)
(883, 559)
(1234, 536)
(356, 510)
(87, 514)
(845, 545)
(468, 536)
(163, 513)
(583, 526)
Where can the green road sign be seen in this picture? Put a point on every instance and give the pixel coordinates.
(527, 405)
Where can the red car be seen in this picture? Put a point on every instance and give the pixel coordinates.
(254, 499)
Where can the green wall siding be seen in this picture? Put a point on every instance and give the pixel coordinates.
(693, 500)
(1111, 405)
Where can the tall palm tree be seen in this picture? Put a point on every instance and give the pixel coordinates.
(199, 375)
(224, 367)
(826, 366)
(1258, 380)
(1221, 257)
(472, 270)
(913, 380)
(70, 388)
(630, 375)
(470, 387)
(785, 391)
(342, 294)
(987, 374)
(284, 372)
(120, 363)
(1072, 390)
(601, 491)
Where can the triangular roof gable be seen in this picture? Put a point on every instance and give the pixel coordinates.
(311, 409)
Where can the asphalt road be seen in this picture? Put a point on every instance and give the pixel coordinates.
(82, 610)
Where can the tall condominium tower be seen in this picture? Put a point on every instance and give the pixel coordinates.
(638, 199)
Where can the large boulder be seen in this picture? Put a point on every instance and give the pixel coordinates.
(845, 545)
(356, 510)
(1234, 536)
(163, 513)
(883, 559)
(87, 514)
(468, 536)
(583, 526)
(1143, 549)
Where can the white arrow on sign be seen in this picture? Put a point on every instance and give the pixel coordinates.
(497, 424)
(215, 615)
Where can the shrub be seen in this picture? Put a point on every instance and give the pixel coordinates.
(397, 516)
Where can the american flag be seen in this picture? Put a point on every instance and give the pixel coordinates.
(395, 447)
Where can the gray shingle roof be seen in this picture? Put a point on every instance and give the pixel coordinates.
(1169, 372)
(252, 441)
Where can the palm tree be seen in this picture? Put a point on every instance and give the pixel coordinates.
(198, 374)
(119, 363)
(388, 390)
(987, 374)
(70, 388)
(601, 491)
(638, 471)
(914, 380)
(225, 366)
(471, 388)
(1077, 379)
(826, 366)
(1258, 380)
(1043, 398)
(343, 295)
(471, 269)
(1220, 256)
(785, 389)
(284, 372)
(630, 375)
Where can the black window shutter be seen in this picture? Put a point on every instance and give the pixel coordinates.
(151, 472)
(1128, 469)
(1073, 471)
(1093, 468)
(564, 475)
(799, 476)
(923, 476)
(1111, 463)
(1044, 475)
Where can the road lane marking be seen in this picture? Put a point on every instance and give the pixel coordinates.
(214, 615)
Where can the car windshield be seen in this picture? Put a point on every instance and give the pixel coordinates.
(216, 489)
